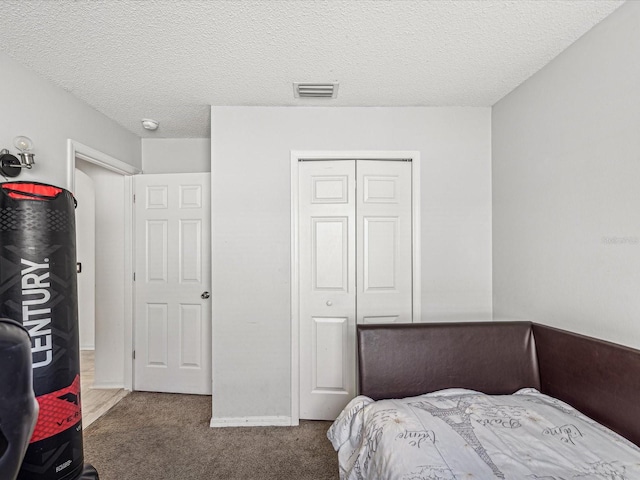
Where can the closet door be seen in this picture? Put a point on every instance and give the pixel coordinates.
(327, 240)
(355, 265)
(383, 242)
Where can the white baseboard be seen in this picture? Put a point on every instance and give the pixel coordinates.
(107, 386)
(275, 421)
(88, 347)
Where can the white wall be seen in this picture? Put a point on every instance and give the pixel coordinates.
(176, 155)
(33, 106)
(86, 256)
(251, 228)
(566, 188)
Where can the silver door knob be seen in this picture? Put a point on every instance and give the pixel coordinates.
(205, 295)
(329, 303)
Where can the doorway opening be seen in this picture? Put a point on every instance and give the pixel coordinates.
(101, 185)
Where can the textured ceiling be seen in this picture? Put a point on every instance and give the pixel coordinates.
(170, 60)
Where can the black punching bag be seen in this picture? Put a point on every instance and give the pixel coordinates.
(38, 288)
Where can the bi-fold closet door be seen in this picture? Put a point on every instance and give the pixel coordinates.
(355, 257)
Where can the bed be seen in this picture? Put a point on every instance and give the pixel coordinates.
(490, 400)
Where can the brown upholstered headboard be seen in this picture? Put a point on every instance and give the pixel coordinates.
(398, 361)
(599, 378)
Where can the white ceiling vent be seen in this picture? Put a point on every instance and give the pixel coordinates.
(315, 90)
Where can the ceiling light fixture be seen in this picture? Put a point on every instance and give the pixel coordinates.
(10, 166)
(150, 124)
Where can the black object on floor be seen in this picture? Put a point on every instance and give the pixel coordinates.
(18, 406)
(89, 473)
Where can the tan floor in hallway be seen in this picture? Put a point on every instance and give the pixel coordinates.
(95, 401)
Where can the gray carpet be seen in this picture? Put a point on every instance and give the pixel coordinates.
(159, 436)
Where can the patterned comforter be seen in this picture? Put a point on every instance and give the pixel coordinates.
(463, 434)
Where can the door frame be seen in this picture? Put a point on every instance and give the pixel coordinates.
(319, 155)
(88, 154)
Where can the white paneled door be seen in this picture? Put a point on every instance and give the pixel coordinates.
(327, 227)
(383, 242)
(355, 264)
(172, 282)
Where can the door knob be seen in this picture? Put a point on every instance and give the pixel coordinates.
(329, 303)
(205, 295)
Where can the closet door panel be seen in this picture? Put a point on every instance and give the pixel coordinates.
(327, 287)
(383, 242)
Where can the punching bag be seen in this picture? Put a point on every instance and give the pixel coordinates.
(38, 288)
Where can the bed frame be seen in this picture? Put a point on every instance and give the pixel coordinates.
(599, 378)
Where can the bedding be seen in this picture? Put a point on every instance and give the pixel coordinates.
(464, 434)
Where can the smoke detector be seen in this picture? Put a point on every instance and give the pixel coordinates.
(150, 124)
(315, 90)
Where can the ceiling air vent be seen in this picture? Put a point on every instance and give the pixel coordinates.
(315, 90)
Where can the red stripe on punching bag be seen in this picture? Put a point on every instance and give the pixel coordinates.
(58, 411)
(31, 191)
